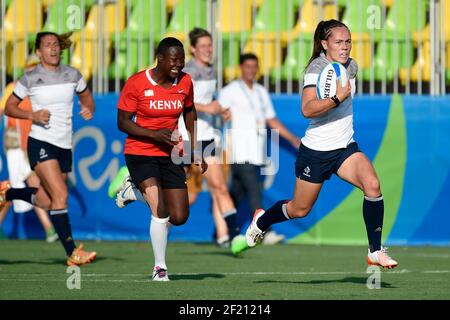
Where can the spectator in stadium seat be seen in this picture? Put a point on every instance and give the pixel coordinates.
(50, 87)
(328, 147)
(148, 110)
(251, 111)
(15, 136)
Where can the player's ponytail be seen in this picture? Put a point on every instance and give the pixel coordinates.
(323, 31)
(63, 39)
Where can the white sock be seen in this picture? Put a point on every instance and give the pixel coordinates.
(159, 233)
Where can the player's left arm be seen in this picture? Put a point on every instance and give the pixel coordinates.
(87, 104)
(276, 124)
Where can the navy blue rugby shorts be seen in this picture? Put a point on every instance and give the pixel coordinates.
(318, 166)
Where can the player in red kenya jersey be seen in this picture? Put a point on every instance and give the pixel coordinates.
(148, 110)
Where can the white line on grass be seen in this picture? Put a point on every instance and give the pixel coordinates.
(305, 273)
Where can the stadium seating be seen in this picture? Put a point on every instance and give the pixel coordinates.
(397, 50)
(62, 18)
(357, 18)
(273, 18)
(234, 23)
(300, 39)
(423, 63)
(86, 54)
(187, 14)
(146, 25)
(21, 18)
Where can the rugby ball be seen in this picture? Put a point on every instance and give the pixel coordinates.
(326, 83)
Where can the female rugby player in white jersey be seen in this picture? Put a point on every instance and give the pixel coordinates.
(328, 147)
(51, 87)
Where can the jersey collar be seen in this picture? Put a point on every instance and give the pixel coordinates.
(148, 73)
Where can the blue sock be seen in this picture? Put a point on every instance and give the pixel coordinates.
(231, 221)
(373, 212)
(61, 223)
(24, 194)
(276, 213)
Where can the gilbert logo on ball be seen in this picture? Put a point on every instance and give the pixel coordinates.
(326, 83)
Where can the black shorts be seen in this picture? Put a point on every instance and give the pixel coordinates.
(209, 148)
(318, 166)
(40, 151)
(170, 175)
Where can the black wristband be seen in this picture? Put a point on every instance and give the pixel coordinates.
(336, 100)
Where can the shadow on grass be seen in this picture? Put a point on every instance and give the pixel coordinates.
(199, 276)
(358, 280)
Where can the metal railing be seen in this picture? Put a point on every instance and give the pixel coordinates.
(398, 52)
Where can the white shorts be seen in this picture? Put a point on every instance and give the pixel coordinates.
(18, 171)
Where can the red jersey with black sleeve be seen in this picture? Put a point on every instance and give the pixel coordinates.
(154, 108)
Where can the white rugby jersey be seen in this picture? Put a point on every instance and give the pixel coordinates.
(204, 81)
(54, 91)
(333, 129)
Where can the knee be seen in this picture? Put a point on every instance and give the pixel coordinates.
(179, 219)
(46, 205)
(59, 198)
(372, 187)
(299, 211)
(218, 189)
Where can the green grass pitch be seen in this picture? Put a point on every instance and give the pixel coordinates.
(199, 271)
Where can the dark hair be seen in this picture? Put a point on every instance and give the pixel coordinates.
(247, 56)
(167, 43)
(323, 31)
(63, 39)
(197, 33)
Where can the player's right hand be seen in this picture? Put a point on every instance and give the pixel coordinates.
(41, 117)
(343, 92)
(164, 136)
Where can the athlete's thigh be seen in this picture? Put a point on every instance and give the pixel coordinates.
(177, 204)
(52, 179)
(357, 169)
(214, 175)
(152, 192)
(305, 194)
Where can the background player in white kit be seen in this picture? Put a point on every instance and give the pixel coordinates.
(51, 87)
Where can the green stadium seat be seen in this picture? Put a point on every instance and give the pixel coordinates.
(187, 14)
(273, 18)
(86, 47)
(423, 63)
(300, 39)
(146, 25)
(298, 53)
(22, 17)
(390, 56)
(234, 23)
(356, 17)
(7, 2)
(59, 20)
